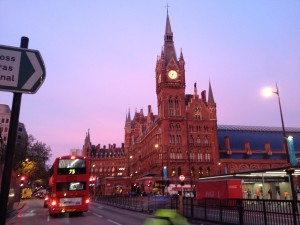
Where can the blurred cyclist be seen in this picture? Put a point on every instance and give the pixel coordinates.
(166, 217)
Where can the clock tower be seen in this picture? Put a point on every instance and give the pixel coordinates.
(170, 79)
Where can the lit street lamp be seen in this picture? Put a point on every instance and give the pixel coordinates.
(268, 92)
(182, 178)
(162, 168)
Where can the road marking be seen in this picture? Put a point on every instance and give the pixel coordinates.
(97, 215)
(114, 222)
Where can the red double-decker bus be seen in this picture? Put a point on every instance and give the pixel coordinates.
(69, 185)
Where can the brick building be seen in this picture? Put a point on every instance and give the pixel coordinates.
(182, 139)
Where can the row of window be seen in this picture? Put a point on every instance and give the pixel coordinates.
(191, 128)
(193, 156)
(176, 139)
(5, 120)
(201, 172)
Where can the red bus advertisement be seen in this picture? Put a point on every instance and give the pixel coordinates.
(69, 185)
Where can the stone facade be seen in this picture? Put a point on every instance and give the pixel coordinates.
(182, 139)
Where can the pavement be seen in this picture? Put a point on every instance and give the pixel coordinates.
(17, 206)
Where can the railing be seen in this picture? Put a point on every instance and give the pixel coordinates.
(244, 211)
(223, 211)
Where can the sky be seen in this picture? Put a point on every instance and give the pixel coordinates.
(100, 59)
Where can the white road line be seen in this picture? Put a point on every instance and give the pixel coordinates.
(114, 222)
(97, 215)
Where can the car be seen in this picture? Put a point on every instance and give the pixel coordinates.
(46, 201)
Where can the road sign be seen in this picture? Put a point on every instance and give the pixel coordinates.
(21, 70)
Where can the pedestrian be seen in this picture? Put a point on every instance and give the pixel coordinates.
(249, 193)
(286, 194)
(270, 193)
(257, 193)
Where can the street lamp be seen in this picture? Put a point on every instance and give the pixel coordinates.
(182, 178)
(162, 168)
(268, 92)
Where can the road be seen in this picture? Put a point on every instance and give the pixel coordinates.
(33, 213)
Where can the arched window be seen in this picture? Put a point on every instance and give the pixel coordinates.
(193, 172)
(177, 111)
(177, 127)
(191, 139)
(200, 172)
(198, 140)
(208, 171)
(171, 127)
(177, 139)
(179, 171)
(170, 106)
(206, 140)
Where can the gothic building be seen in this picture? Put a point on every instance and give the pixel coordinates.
(182, 139)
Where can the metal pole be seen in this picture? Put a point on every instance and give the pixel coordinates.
(162, 172)
(289, 171)
(10, 148)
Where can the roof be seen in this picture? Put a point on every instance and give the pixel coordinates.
(257, 136)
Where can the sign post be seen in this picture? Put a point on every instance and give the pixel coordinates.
(21, 71)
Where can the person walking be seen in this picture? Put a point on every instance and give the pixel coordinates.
(286, 195)
(270, 193)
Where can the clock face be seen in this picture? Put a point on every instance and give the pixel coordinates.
(172, 74)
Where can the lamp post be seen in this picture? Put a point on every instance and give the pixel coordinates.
(268, 92)
(182, 178)
(162, 169)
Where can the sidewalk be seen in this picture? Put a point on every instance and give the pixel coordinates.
(17, 206)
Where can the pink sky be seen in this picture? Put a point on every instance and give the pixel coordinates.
(100, 59)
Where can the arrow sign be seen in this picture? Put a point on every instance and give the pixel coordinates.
(21, 70)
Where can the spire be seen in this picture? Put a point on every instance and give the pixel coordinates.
(210, 95)
(195, 89)
(169, 49)
(128, 116)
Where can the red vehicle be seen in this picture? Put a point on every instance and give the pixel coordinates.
(220, 189)
(69, 185)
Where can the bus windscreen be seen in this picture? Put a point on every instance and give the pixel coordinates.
(71, 166)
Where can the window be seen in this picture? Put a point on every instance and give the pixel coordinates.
(179, 171)
(197, 113)
(200, 171)
(177, 111)
(208, 171)
(170, 106)
(70, 186)
(171, 127)
(191, 139)
(206, 140)
(198, 140)
(206, 129)
(193, 172)
(178, 127)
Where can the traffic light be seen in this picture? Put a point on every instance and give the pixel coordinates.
(22, 180)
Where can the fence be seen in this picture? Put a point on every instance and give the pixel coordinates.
(223, 211)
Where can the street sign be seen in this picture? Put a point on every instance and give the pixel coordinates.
(21, 70)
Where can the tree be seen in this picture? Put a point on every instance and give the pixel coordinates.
(34, 165)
